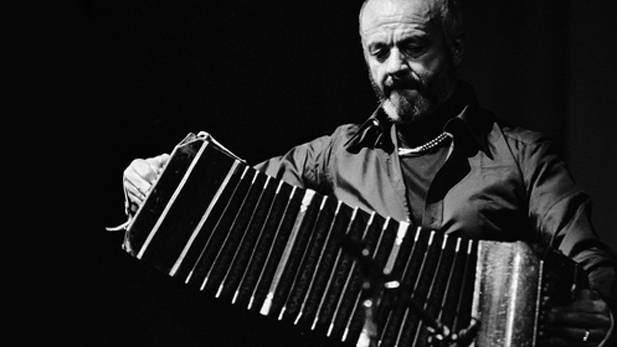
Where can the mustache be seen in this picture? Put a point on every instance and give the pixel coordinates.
(409, 81)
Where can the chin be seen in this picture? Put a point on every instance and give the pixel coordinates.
(401, 110)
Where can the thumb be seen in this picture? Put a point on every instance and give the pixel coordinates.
(158, 163)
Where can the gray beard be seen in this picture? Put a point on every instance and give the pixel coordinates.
(404, 106)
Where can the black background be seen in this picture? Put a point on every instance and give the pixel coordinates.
(93, 85)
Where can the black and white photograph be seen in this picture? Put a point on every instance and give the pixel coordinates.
(367, 173)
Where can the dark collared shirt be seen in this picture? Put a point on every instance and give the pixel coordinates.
(498, 183)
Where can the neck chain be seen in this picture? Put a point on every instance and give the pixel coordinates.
(416, 151)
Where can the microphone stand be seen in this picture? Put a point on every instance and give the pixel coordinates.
(375, 282)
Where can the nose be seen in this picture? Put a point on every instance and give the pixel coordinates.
(396, 63)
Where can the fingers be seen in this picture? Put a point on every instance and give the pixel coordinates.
(588, 310)
(578, 319)
(576, 337)
(587, 301)
(139, 177)
(584, 322)
(589, 294)
(158, 163)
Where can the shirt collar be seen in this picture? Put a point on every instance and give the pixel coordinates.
(473, 122)
(378, 131)
(373, 133)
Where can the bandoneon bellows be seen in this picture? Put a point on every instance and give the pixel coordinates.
(218, 224)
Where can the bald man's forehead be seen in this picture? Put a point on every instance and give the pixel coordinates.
(379, 12)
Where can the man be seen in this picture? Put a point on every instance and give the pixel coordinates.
(431, 156)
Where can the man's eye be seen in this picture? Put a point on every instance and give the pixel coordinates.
(380, 53)
(413, 50)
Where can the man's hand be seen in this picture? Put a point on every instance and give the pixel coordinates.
(138, 179)
(583, 322)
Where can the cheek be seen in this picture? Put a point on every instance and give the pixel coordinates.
(423, 71)
(428, 66)
(377, 73)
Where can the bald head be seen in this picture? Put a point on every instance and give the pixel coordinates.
(447, 12)
(374, 10)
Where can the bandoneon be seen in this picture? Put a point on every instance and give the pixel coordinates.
(218, 224)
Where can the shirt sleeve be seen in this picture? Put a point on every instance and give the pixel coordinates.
(561, 213)
(302, 166)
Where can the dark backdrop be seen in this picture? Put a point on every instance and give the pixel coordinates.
(264, 77)
(117, 80)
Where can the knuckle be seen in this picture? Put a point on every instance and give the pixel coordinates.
(134, 166)
(137, 162)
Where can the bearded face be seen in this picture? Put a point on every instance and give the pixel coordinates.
(412, 68)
